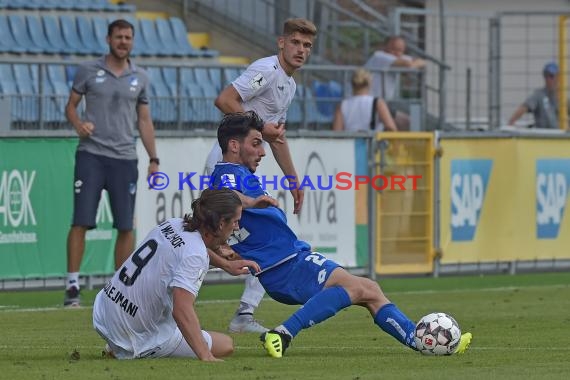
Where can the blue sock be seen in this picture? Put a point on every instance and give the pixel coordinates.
(321, 306)
(390, 319)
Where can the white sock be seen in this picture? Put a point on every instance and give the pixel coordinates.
(283, 329)
(72, 280)
(245, 309)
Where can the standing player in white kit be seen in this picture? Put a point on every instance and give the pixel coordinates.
(267, 87)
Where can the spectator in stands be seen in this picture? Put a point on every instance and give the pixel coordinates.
(359, 112)
(116, 98)
(543, 102)
(150, 313)
(267, 87)
(384, 84)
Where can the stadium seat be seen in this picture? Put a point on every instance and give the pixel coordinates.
(187, 75)
(53, 34)
(38, 36)
(56, 74)
(27, 91)
(70, 35)
(197, 102)
(211, 113)
(87, 35)
(230, 74)
(7, 42)
(201, 74)
(152, 42)
(100, 31)
(164, 32)
(170, 79)
(181, 38)
(21, 35)
(216, 77)
(165, 103)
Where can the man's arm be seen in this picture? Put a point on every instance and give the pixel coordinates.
(83, 128)
(338, 122)
(146, 130)
(282, 155)
(232, 264)
(385, 116)
(518, 113)
(189, 325)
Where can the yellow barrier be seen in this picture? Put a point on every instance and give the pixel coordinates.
(404, 220)
(504, 200)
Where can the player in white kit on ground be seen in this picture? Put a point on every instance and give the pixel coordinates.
(147, 308)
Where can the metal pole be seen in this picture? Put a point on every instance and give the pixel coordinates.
(562, 98)
(371, 145)
(494, 106)
(468, 100)
(442, 90)
(436, 204)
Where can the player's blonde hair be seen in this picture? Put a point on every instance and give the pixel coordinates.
(301, 25)
(361, 78)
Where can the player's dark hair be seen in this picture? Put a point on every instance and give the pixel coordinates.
(237, 126)
(300, 25)
(213, 207)
(119, 24)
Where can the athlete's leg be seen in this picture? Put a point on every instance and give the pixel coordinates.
(243, 320)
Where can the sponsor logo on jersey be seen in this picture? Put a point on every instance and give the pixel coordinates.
(257, 82)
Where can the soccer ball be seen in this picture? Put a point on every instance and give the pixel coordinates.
(437, 334)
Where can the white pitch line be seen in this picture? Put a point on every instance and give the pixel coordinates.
(14, 308)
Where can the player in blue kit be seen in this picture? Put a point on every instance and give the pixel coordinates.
(290, 272)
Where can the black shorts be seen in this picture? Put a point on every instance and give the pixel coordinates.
(93, 173)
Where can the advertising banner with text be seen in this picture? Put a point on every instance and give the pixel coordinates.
(36, 202)
(504, 200)
(327, 220)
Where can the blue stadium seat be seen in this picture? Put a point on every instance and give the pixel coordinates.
(7, 43)
(181, 38)
(230, 74)
(21, 4)
(201, 74)
(55, 74)
(164, 106)
(187, 75)
(164, 32)
(216, 77)
(53, 34)
(170, 79)
(38, 36)
(100, 25)
(70, 35)
(212, 114)
(8, 87)
(28, 92)
(21, 35)
(151, 39)
(197, 102)
(58, 101)
(87, 34)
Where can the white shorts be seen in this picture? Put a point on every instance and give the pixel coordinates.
(175, 347)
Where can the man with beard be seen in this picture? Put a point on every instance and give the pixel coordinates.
(116, 98)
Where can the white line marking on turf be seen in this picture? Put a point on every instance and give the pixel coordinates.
(14, 308)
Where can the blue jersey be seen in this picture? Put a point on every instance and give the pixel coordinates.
(264, 235)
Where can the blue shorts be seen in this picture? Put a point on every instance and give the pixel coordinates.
(93, 173)
(295, 281)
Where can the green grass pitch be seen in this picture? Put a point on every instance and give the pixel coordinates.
(520, 326)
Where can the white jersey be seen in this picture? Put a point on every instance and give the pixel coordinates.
(265, 88)
(134, 309)
(383, 85)
(357, 113)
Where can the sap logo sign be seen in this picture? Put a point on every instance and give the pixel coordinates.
(552, 182)
(469, 180)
